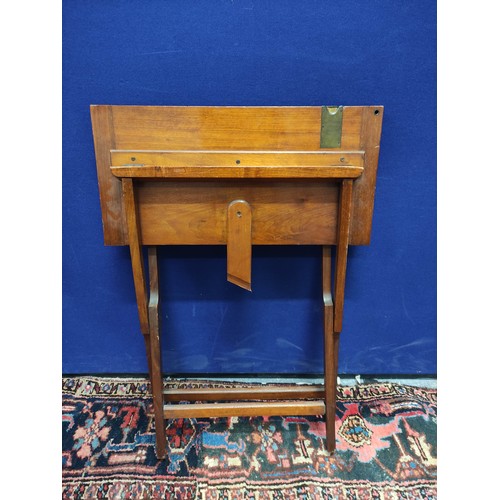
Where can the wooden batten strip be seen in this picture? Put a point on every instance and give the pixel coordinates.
(281, 408)
(262, 172)
(239, 394)
(237, 158)
(236, 164)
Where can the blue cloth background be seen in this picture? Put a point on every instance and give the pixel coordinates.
(253, 52)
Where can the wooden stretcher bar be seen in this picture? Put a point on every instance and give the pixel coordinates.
(202, 410)
(264, 392)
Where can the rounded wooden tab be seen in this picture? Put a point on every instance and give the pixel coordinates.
(239, 244)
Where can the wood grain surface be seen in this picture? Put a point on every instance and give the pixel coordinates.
(195, 212)
(149, 129)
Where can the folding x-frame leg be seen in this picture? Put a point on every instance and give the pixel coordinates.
(149, 320)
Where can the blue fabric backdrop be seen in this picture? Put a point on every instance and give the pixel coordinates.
(252, 52)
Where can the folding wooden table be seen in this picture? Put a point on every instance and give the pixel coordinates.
(237, 176)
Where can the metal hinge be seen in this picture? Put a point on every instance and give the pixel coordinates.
(331, 126)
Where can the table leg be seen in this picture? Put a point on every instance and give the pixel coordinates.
(148, 313)
(343, 223)
(330, 355)
(156, 372)
(134, 240)
(136, 255)
(333, 307)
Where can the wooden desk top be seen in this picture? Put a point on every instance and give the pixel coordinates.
(272, 157)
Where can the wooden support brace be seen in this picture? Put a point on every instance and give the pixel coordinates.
(343, 226)
(263, 392)
(244, 409)
(237, 164)
(134, 238)
(134, 241)
(329, 350)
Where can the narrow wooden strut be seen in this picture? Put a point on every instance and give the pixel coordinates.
(282, 408)
(279, 392)
(156, 373)
(330, 368)
(134, 239)
(343, 227)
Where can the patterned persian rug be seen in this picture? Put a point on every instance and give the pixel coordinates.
(386, 447)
